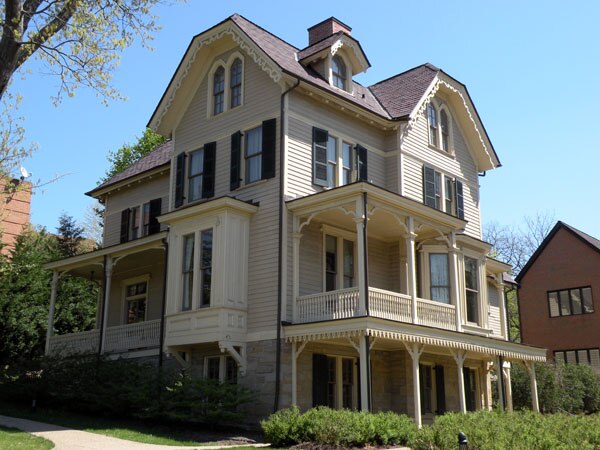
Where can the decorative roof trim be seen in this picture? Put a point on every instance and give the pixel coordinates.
(240, 38)
(344, 40)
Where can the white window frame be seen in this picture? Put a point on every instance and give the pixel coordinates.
(188, 175)
(482, 303)
(348, 81)
(339, 159)
(125, 299)
(443, 192)
(424, 253)
(341, 235)
(245, 157)
(438, 107)
(222, 367)
(196, 229)
(339, 380)
(227, 86)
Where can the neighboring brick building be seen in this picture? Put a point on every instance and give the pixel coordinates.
(15, 206)
(558, 289)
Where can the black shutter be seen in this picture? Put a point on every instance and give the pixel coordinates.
(208, 171)
(179, 179)
(429, 186)
(361, 163)
(320, 138)
(440, 390)
(124, 225)
(155, 207)
(320, 380)
(460, 201)
(269, 141)
(236, 156)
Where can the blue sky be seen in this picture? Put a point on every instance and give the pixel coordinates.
(530, 67)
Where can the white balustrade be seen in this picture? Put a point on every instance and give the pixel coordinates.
(436, 314)
(389, 305)
(343, 303)
(121, 338)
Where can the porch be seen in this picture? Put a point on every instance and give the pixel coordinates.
(119, 339)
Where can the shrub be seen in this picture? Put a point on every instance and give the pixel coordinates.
(343, 428)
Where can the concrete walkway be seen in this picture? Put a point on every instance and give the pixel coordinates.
(69, 439)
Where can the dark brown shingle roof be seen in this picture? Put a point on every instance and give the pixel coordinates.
(159, 157)
(400, 94)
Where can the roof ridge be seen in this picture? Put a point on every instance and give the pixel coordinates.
(428, 65)
(263, 29)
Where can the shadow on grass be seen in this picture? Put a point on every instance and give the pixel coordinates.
(13, 438)
(151, 432)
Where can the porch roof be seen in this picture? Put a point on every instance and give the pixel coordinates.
(406, 332)
(82, 263)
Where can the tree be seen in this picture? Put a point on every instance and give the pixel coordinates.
(69, 236)
(79, 41)
(25, 295)
(129, 153)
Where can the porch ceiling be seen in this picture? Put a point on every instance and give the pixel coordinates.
(387, 333)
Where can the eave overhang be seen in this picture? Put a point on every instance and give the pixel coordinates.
(358, 59)
(138, 178)
(406, 332)
(209, 207)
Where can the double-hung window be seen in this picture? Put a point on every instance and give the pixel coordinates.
(135, 301)
(472, 289)
(195, 178)
(337, 162)
(196, 283)
(206, 238)
(221, 368)
(139, 221)
(338, 72)
(339, 263)
(334, 381)
(253, 156)
(235, 83)
(443, 192)
(219, 91)
(433, 125)
(187, 282)
(439, 278)
(439, 127)
(445, 130)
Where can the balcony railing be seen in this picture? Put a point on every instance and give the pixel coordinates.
(122, 338)
(343, 304)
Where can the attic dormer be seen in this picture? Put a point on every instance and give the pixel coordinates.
(333, 53)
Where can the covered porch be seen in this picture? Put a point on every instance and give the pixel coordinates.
(378, 365)
(130, 303)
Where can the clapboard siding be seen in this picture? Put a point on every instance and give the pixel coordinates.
(460, 165)
(260, 102)
(304, 114)
(311, 260)
(380, 265)
(494, 322)
(134, 195)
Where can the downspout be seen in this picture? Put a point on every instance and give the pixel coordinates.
(164, 307)
(366, 280)
(103, 303)
(280, 254)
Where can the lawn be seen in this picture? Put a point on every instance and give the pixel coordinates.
(132, 430)
(11, 439)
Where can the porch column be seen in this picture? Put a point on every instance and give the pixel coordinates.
(359, 220)
(508, 388)
(500, 382)
(459, 357)
(411, 267)
(296, 275)
(365, 380)
(415, 350)
(535, 404)
(454, 284)
(55, 277)
(108, 267)
(295, 353)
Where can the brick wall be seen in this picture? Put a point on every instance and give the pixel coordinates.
(15, 211)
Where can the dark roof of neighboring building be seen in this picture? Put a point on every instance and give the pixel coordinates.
(591, 241)
(158, 157)
(401, 93)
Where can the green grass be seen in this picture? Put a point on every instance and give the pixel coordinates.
(132, 430)
(11, 439)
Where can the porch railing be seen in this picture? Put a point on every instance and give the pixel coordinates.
(343, 303)
(118, 339)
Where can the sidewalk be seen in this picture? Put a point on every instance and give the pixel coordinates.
(69, 439)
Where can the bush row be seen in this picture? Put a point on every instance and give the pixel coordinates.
(123, 388)
(485, 430)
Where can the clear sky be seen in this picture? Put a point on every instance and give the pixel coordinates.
(530, 67)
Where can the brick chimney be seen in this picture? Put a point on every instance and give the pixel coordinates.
(325, 29)
(15, 204)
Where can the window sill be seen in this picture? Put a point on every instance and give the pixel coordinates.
(449, 154)
(473, 328)
(249, 185)
(212, 116)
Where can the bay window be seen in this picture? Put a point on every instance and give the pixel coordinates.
(196, 283)
(472, 289)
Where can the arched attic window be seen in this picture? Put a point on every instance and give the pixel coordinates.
(338, 72)
(219, 91)
(433, 124)
(445, 129)
(235, 83)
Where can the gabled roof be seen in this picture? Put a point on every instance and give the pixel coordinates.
(590, 241)
(161, 156)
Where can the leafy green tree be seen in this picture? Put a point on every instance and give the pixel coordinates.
(69, 236)
(25, 294)
(78, 41)
(125, 156)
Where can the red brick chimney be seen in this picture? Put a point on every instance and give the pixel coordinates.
(325, 29)
(15, 204)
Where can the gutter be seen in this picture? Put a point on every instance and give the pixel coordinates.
(280, 252)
